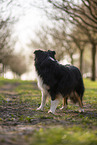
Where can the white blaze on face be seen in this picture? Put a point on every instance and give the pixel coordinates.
(51, 58)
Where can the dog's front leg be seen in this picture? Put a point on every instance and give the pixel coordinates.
(54, 104)
(43, 101)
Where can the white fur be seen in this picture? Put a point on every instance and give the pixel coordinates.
(63, 107)
(42, 86)
(43, 101)
(51, 58)
(81, 110)
(54, 105)
(44, 92)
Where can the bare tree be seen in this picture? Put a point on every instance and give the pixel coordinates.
(44, 40)
(5, 41)
(84, 15)
(54, 38)
(76, 11)
(16, 63)
(7, 20)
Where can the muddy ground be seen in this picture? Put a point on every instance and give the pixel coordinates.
(19, 119)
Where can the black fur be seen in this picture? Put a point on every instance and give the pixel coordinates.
(63, 79)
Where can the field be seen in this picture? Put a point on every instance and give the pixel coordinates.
(20, 123)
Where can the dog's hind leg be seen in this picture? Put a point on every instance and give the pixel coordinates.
(64, 103)
(80, 102)
(43, 101)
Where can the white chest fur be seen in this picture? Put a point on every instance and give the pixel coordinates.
(43, 87)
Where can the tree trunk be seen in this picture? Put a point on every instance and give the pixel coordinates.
(3, 69)
(71, 56)
(93, 62)
(81, 60)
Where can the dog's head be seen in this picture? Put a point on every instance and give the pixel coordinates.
(40, 55)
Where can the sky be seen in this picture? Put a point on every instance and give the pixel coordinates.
(29, 16)
(29, 22)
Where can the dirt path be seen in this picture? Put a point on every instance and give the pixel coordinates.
(15, 123)
(12, 131)
(19, 119)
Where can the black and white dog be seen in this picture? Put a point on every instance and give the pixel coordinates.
(57, 80)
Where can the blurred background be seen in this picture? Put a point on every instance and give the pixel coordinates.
(66, 26)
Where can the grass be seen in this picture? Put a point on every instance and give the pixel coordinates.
(68, 127)
(61, 136)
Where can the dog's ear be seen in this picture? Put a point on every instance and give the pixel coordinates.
(37, 51)
(52, 52)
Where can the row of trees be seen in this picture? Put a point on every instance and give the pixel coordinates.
(74, 29)
(8, 59)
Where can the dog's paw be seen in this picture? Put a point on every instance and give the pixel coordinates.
(63, 107)
(40, 108)
(53, 113)
(50, 111)
(81, 110)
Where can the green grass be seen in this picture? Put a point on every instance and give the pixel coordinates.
(64, 136)
(69, 127)
(90, 84)
(4, 81)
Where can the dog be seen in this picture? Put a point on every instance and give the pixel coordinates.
(57, 80)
